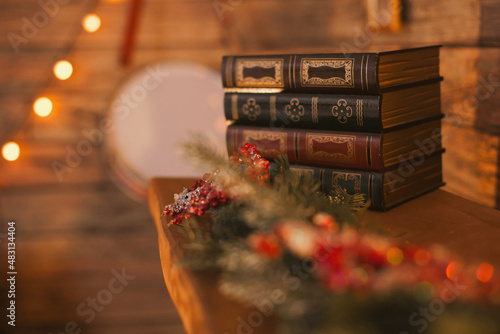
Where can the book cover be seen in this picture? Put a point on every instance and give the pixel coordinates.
(339, 72)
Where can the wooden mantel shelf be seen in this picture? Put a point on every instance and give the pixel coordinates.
(466, 228)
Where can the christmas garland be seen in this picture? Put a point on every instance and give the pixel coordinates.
(313, 261)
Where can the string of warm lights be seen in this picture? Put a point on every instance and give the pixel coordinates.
(43, 105)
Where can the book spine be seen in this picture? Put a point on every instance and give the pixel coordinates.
(354, 182)
(343, 73)
(309, 147)
(358, 113)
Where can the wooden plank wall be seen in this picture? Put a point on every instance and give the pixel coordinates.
(73, 233)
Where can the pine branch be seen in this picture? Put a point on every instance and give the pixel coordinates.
(204, 152)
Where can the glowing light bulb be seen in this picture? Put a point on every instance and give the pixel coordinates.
(395, 256)
(63, 69)
(484, 272)
(42, 106)
(422, 257)
(10, 151)
(453, 269)
(91, 23)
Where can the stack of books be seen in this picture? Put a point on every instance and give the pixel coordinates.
(367, 122)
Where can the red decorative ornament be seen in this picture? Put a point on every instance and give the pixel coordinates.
(257, 168)
(211, 190)
(268, 245)
(346, 259)
(196, 201)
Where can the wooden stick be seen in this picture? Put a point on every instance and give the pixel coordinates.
(130, 29)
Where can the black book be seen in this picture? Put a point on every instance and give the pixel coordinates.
(336, 112)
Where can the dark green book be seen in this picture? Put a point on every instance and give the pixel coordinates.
(382, 190)
(336, 112)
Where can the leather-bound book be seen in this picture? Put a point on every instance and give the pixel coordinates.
(330, 72)
(336, 112)
(382, 190)
(350, 150)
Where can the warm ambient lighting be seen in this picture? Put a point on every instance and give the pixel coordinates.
(484, 272)
(42, 106)
(395, 256)
(91, 23)
(63, 69)
(10, 151)
(453, 269)
(422, 257)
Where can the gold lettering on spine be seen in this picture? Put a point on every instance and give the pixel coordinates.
(359, 112)
(315, 110)
(272, 107)
(234, 106)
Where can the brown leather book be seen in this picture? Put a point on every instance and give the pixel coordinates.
(330, 72)
(349, 150)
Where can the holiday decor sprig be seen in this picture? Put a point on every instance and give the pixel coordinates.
(280, 235)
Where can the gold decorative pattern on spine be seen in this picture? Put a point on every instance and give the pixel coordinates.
(315, 109)
(294, 110)
(335, 63)
(359, 112)
(265, 81)
(272, 107)
(251, 109)
(234, 106)
(350, 177)
(270, 143)
(342, 111)
(337, 144)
